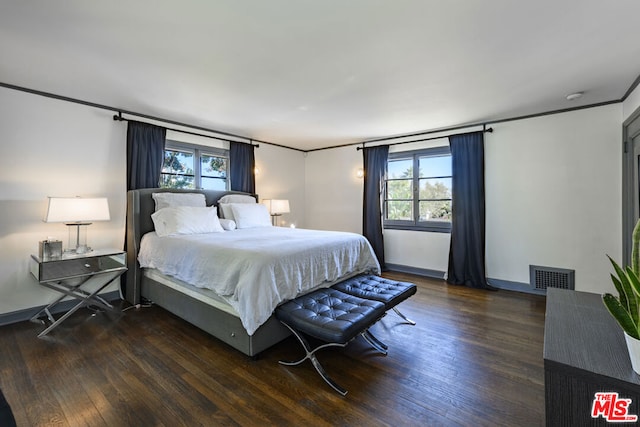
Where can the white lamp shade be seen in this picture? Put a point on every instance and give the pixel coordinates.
(276, 206)
(77, 209)
(279, 206)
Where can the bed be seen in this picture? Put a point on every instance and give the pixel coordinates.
(226, 310)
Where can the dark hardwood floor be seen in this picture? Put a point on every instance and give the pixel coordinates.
(473, 359)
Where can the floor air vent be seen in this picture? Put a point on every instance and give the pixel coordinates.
(550, 277)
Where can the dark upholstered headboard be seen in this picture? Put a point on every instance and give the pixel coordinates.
(140, 206)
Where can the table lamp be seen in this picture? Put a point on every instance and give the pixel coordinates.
(276, 208)
(78, 213)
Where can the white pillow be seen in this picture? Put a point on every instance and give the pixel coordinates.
(170, 200)
(225, 211)
(237, 198)
(228, 224)
(186, 220)
(249, 216)
(226, 201)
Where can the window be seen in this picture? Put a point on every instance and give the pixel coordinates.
(194, 166)
(418, 190)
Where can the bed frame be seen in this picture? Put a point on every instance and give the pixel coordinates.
(220, 324)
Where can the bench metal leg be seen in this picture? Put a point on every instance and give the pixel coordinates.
(375, 342)
(406, 319)
(314, 360)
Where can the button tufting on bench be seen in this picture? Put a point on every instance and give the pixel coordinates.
(389, 292)
(330, 315)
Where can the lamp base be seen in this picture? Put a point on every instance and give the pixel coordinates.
(274, 219)
(82, 249)
(78, 238)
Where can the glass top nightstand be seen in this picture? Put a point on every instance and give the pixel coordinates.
(78, 276)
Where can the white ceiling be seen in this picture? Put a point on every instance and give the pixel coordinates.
(317, 73)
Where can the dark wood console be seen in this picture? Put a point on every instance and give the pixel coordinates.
(584, 353)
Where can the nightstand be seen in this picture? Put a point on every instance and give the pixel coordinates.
(78, 276)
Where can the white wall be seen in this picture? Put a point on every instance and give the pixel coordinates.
(553, 195)
(57, 148)
(53, 148)
(333, 191)
(281, 176)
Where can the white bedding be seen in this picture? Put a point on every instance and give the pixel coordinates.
(258, 268)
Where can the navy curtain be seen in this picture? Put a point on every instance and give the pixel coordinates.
(145, 154)
(375, 170)
(467, 250)
(242, 167)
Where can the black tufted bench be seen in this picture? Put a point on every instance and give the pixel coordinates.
(389, 292)
(333, 317)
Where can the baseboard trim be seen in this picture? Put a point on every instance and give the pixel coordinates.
(433, 274)
(515, 286)
(26, 314)
(496, 283)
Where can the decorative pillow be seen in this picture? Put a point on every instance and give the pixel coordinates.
(250, 216)
(237, 198)
(186, 220)
(171, 200)
(228, 224)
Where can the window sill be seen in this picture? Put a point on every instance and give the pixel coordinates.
(429, 229)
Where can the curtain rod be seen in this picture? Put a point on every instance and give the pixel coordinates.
(484, 129)
(252, 141)
(118, 117)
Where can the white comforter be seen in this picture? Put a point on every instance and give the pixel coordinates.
(258, 268)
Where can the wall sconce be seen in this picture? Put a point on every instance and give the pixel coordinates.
(77, 212)
(360, 173)
(256, 171)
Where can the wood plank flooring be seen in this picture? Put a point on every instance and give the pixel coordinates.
(473, 359)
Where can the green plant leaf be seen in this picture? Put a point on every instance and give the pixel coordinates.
(634, 281)
(635, 248)
(620, 289)
(627, 297)
(621, 315)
